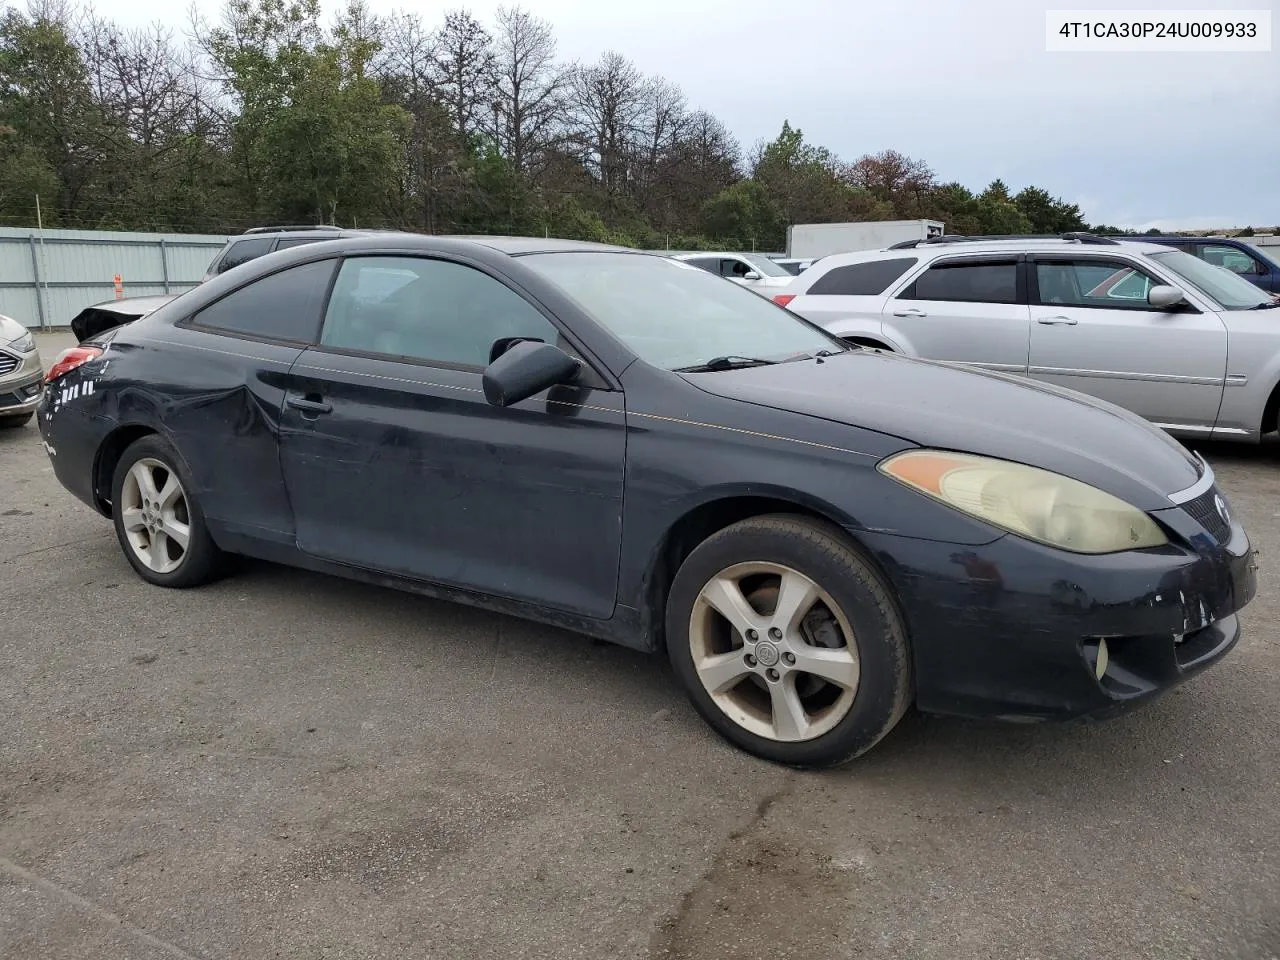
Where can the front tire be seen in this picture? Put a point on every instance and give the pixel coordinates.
(788, 642)
(10, 423)
(158, 521)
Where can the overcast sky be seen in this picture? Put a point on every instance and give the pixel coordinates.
(1176, 141)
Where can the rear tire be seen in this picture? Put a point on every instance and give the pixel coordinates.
(158, 520)
(811, 667)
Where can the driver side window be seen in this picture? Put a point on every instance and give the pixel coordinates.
(1111, 285)
(733, 269)
(429, 310)
(1237, 261)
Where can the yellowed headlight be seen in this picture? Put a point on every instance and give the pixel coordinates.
(1033, 503)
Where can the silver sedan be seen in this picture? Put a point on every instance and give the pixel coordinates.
(21, 374)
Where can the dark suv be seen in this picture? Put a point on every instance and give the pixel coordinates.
(1235, 254)
(260, 241)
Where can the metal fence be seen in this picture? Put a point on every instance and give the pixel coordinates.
(48, 276)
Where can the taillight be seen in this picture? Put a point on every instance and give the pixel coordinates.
(782, 299)
(69, 359)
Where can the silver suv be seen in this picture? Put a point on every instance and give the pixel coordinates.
(1188, 345)
(260, 241)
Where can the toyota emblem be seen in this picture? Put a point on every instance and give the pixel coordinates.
(1221, 506)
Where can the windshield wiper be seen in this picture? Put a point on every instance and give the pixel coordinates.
(1269, 305)
(728, 362)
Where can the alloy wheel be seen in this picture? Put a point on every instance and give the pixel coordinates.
(774, 650)
(155, 515)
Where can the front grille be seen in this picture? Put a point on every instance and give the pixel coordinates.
(8, 363)
(1204, 510)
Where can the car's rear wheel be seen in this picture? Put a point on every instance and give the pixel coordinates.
(788, 642)
(8, 423)
(157, 519)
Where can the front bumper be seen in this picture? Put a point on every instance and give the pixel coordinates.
(21, 389)
(1011, 630)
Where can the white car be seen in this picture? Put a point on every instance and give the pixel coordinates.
(795, 267)
(21, 374)
(753, 270)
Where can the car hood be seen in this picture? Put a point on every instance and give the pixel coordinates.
(976, 411)
(10, 329)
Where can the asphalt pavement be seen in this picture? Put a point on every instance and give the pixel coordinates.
(289, 765)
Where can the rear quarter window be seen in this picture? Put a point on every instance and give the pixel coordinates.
(868, 279)
(281, 306)
(242, 251)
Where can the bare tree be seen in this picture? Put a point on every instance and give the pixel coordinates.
(699, 164)
(529, 87)
(406, 63)
(607, 105)
(408, 68)
(662, 119)
(463, 70)
(143, 81)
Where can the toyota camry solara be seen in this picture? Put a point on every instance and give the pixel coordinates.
(626, 446)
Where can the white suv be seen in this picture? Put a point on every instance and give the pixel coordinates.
(1188, 345)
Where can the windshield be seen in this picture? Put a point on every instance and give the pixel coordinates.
(1218, 283)
(766, 266)
(674, 315)
(1267, 255)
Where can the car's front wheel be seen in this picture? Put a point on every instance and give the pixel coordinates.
(10, 423)
(157, 519)
(788, 642)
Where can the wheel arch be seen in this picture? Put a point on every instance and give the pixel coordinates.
(711, 515)
(108, 456)
(1270, 412)
(872, 342)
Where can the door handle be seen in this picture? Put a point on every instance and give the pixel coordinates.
(1056, 321)
(310, 404)
(912, 312)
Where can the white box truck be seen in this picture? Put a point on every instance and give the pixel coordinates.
(809, 241)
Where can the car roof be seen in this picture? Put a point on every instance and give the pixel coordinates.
(689, 254)
(512, 246)
(1167, 238)
(517, 246)
(972, 245)
(274, 231)
(998, 245)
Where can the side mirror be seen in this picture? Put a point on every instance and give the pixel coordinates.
(526, 368)
(503, 344)
(1164, 297)
(751, 275)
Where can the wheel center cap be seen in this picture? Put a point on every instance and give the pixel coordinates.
(767, 654)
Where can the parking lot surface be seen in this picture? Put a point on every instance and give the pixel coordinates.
(288, 765)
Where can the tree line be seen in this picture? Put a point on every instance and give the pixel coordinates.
(268, 115)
